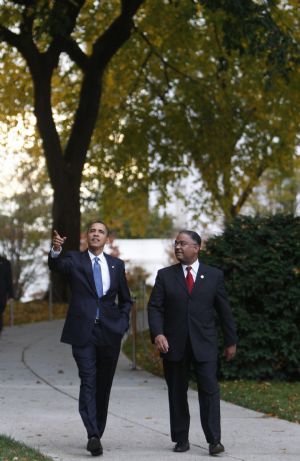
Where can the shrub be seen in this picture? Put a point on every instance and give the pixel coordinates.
(260, 258)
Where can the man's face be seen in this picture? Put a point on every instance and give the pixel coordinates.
(97, 237)
(186, 250)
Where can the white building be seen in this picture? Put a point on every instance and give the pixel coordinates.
(150, 254)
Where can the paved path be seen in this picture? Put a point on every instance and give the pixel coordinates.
(38, 405)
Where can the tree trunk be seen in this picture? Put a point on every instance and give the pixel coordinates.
(66, 220)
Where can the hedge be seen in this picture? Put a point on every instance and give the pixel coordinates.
(260, 258)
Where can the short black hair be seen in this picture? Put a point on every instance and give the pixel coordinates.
(194, 235)
(97, 221)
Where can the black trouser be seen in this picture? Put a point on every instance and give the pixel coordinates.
(177, 378)
(96, 362)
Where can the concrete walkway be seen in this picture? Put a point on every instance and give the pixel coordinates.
(38, 406)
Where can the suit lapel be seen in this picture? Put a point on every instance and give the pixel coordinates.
(200, 278)
(180, 276)
(112, 269)
(87, 264)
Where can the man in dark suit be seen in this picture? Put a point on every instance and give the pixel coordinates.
(94, 324)
(6, 286)
(181, 314)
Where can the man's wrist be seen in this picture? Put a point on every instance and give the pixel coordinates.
(54, 253)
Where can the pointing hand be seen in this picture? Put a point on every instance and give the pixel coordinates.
(57, 241)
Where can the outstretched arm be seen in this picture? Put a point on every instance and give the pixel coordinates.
(56, 263)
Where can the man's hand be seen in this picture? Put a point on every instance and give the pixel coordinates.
(161, 343)
(230, 352)
(57, 241)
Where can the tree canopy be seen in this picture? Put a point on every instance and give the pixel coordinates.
(177, 83)
(196, 99)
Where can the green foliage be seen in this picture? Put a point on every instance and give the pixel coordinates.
(130, 215)
(188, 98)
(197, 82)
(146, 224)
(260, 258)
(250, 26)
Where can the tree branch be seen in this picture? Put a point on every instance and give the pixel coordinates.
(137, 80)
(116, 35)
(10, 37)
(105, 47)
(63, 19)
(236, 208)
(28, 18)
(24, 2)
(166, 64)
(69, 46)
(130, 7)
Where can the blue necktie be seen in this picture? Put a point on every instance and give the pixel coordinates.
(98, 280)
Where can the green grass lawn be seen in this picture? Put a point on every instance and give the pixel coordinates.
(10, 450)
(275, 398)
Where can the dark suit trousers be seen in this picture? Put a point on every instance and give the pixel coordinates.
(177, 377)
(96, 362)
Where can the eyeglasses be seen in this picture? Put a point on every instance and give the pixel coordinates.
(183, 244)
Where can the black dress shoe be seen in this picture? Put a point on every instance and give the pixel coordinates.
(181, 447)
(94, 446)
(216, 448)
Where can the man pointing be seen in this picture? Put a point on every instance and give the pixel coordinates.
(94, 324)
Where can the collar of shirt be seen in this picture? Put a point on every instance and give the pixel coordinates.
(100, 256)
(194, 266)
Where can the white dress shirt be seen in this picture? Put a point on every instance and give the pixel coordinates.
(194, 270)
(104, 270)
(103, 265)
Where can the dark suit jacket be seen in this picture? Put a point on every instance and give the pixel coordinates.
(6, 286)
(174, 312)
(77, 266)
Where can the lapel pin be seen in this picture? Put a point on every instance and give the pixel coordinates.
(202, 276)
(112, 267)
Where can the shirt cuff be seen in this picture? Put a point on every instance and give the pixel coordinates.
(54, 254)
